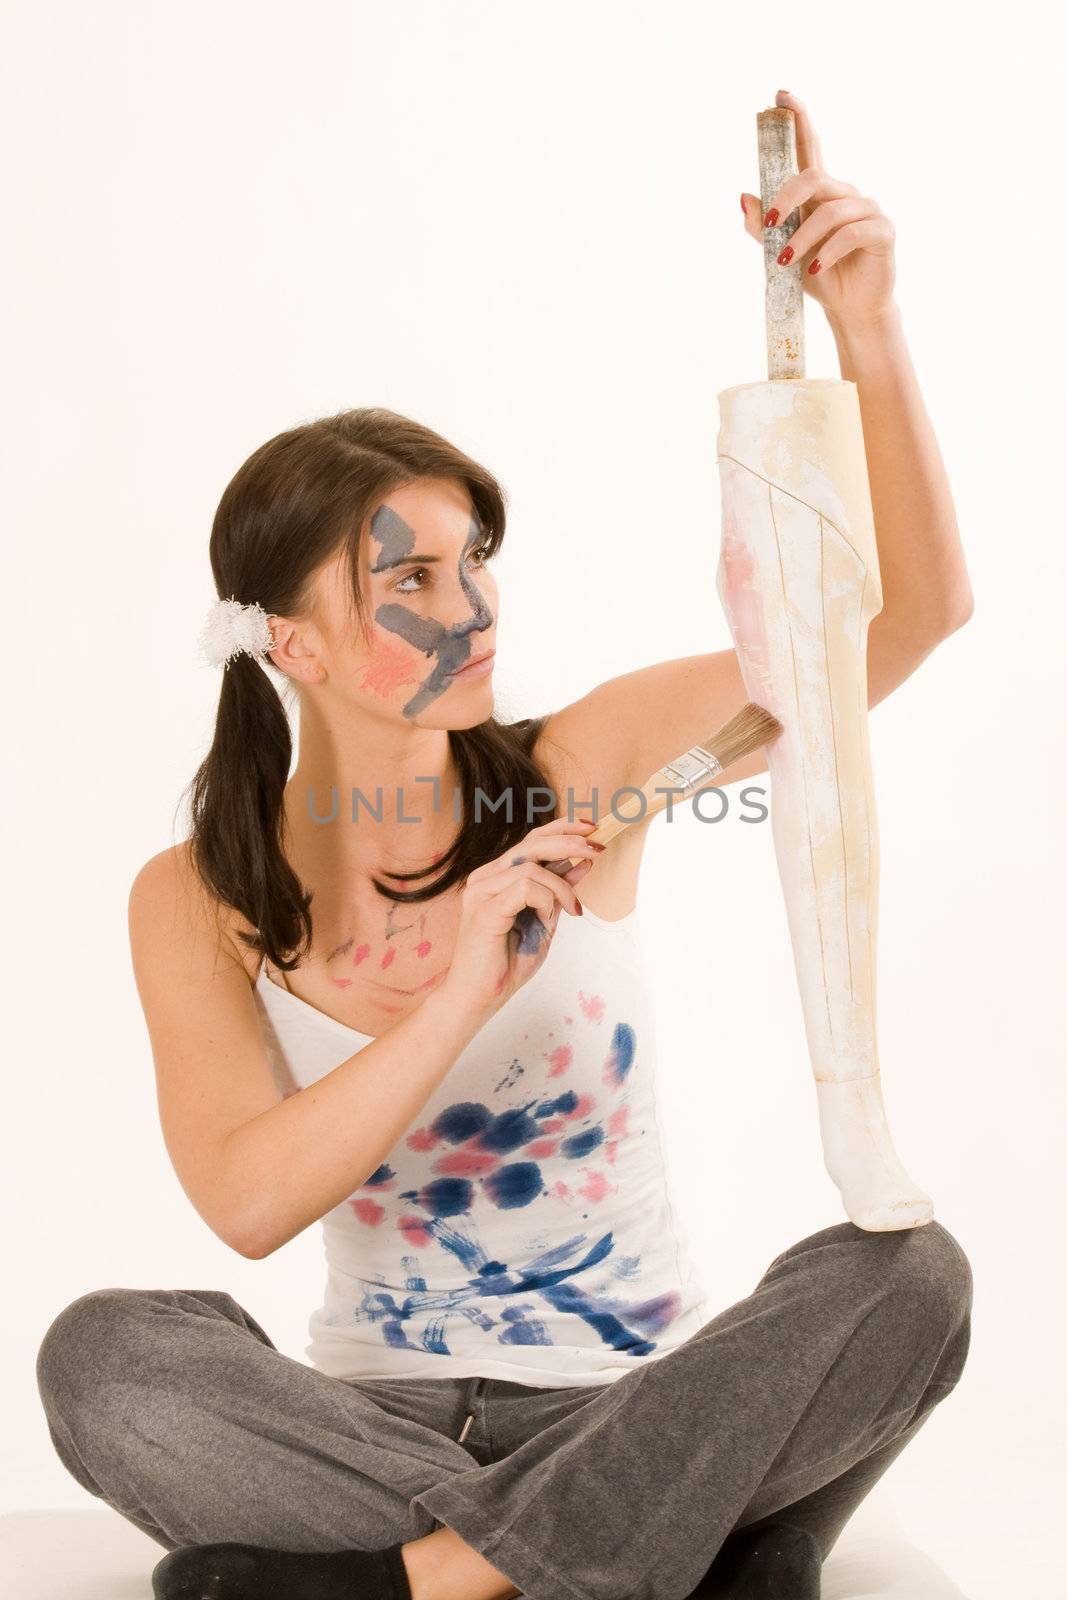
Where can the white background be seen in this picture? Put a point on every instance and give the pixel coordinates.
(520, 224)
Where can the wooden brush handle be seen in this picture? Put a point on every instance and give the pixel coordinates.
(784, 302)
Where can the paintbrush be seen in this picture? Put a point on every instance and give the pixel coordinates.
(745, 732)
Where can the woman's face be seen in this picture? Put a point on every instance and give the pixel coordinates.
(431, 611)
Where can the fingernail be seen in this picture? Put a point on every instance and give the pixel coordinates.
(816, 264)
(744, 208)
(786, 256)
(597, 844)
(771, 218)
(581, 913)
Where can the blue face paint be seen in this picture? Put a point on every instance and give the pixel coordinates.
(450, 646)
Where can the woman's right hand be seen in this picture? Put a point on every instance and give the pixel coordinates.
(493, 957)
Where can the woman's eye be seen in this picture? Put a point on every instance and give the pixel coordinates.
(404, 586)
(419, 572)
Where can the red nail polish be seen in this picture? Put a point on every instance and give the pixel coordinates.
(744, 208)
(786, 256)
(771, 218)
(816, 264)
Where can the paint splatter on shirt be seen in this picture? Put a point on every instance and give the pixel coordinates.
(524, 1226)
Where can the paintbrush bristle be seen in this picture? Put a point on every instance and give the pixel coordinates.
(751, 727)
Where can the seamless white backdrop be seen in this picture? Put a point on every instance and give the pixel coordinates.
(520, 224)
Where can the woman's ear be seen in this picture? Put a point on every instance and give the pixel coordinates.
(296, 651)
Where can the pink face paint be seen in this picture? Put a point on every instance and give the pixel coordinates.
(389, 666)
(362, 952)
(423, 948)
(388, 958)
(341, 983)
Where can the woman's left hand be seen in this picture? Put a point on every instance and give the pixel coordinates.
(842, 231)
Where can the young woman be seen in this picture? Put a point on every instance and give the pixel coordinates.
(516, 1384)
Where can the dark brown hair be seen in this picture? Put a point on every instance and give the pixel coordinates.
(296, 502)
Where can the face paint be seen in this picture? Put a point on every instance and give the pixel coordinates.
(450, 646)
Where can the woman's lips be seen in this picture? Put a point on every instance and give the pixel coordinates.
(476, 667)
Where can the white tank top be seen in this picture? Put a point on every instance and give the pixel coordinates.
(524, 1226)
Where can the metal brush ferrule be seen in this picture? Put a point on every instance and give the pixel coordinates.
(693, 769)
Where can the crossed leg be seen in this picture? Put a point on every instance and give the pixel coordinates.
(174, 1407)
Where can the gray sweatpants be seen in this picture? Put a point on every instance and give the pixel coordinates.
(174, 1406)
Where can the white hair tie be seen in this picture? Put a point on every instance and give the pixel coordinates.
(232, 628)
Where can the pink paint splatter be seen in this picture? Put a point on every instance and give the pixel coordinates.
(560, 1059)
(422, 1139)
(539, 1148)
(561, 1190)
(414, 1230)
(550, 1124)
(388, 958)
(581, 1108)
(362, 952)
(368, 1211)
(617, 1128)
(423, 948)
(593, 1007)
(341, 983)
(467, 1163)
(596, 1185)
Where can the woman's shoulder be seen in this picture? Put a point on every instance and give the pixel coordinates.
(169, 899)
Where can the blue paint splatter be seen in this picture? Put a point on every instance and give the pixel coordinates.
(521, 1329)
(446, 1197)
(381, 1174)
(580, 1144)
(621, 1057)
(516, 1184)
(559, 1107)
(462, 1121)
(567, 1297)
(509, 1130)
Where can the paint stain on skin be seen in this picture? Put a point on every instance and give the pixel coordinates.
(362, 952)
(341, 983)
(423, 948)
(449, 648)
(388, 958)
(593, 1006)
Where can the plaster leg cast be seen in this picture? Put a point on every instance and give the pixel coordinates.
(799, 581)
